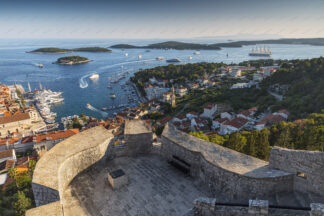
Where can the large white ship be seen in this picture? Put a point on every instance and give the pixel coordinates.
(261, 52)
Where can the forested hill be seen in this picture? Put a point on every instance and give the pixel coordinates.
(302, 84)
(54, 50)
(171, 45)
(216, 46)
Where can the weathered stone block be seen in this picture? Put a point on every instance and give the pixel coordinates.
(258, 207)
(117, 179)
(317, 209)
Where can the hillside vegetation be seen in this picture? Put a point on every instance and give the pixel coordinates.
(59, 50)
(171, 45)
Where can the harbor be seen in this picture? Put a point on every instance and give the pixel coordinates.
(111, 91)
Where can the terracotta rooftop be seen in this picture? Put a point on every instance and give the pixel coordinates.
(5, 165)
(209, 106)
(14, 118)
(237, 122)
(6, 153)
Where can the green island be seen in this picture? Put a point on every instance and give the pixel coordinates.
(71, 60)
(54, 50)
(170, 45)
(217, 46)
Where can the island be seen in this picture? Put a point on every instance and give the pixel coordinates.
(71, 60)
(54, 50)
(170, 45)
(217, 46)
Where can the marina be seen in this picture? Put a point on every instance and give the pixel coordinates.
(77, 88)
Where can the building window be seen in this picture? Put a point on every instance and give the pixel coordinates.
(301, 175)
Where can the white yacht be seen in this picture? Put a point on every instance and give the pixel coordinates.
(126, 54)
(139, 56)
(190, 57)
(160, 58)
(197, 53)
(94, 76)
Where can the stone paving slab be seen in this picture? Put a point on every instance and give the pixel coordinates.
(155, 188)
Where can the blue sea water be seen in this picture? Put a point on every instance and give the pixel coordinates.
(18, 66)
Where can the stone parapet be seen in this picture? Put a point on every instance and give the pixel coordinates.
(57, 168)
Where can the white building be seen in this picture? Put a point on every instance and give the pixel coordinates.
(241, 85)
(233, 125)
(236, 72)
(192, 115)
(209, 111)
(182, 91)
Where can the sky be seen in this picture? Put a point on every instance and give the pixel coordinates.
(161, 18)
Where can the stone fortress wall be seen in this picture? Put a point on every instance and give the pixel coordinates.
(307, 166)
(225, 171)
(56, 169)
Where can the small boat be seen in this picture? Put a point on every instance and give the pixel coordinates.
(160, 58)
(109, 86)
(88, 106)
(139, 56)
(174, 60)
(112, 95)
(197, 53)
(190, 57)
(40, 65)
(104, 108)
(126, 54)
(94, 76)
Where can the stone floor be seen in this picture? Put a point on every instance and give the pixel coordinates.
(155, 188)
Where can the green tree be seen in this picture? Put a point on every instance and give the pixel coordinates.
(13, 174)
(263, 145)
(22, 204)
(236, 142)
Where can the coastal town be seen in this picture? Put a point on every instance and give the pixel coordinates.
(28, 125)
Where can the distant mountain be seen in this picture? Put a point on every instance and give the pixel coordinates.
(217, 46)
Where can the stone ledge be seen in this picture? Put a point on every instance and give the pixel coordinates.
(52, 209)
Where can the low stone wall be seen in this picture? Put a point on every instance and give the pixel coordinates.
(56, 169)
(307, 166)
(138, 137)
(239, 177)
(210, 207)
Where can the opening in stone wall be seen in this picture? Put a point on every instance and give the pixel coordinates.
(302, 175)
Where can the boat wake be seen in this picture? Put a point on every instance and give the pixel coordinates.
(84, 84)
(92, 108)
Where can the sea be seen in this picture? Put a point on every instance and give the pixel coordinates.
(19, 66)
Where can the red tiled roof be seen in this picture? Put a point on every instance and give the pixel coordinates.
(221, 120)
(209, 106)
(5, 165)
(193, 113)
(14, 118)
(237, 122)
(271, 119)
(6, 153)
(165, 120)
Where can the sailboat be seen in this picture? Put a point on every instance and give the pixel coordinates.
(29, 88)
